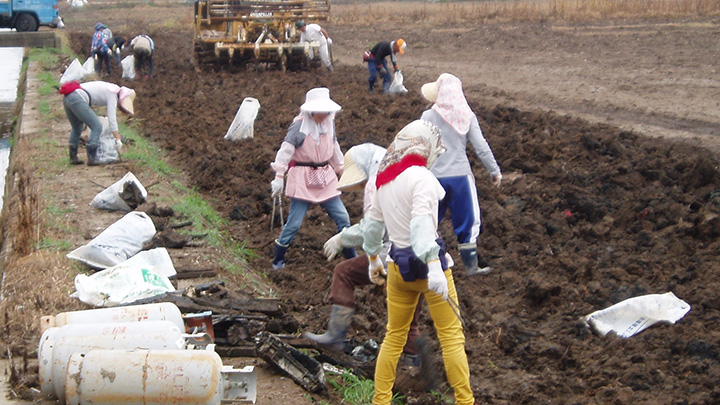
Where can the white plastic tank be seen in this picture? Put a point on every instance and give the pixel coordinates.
(58, 344)
(148, 377)
(161, 311)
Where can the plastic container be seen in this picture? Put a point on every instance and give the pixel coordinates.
(155, 377)
(58, 344)
(162, 311)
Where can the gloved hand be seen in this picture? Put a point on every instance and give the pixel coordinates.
(436, 279)
(329, 41)
(496, 180)
(118, 145)
(376, 271)
(333, 246)
(396, 67)
(276, 186)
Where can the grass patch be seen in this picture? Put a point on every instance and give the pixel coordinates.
(356, 390)
(48, 58)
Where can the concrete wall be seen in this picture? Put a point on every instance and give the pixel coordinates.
(37, 39)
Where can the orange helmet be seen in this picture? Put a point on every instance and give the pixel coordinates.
(400, 45)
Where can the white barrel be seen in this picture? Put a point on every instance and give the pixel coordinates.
(161, 311)
(57, 344)
(145, 377)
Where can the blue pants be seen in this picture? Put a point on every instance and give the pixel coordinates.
(373, 73)
(78, 112)
(298, 208)
(461, 199)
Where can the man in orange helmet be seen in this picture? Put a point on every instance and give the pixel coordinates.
(377, 63)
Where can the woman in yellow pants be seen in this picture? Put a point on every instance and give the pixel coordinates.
(406, 205)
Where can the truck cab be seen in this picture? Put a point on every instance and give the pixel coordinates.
(29, 15)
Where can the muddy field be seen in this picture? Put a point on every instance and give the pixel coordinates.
(588, 214)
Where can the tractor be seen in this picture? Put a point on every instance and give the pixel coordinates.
(256, 32)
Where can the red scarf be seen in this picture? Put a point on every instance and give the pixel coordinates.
(69, 87)
(394, 170)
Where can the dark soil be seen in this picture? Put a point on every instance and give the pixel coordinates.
(588, 215)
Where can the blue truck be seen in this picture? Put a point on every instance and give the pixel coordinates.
(29, 15)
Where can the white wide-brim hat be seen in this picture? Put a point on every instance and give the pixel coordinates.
(318, 100)
(361, 162)
(126, 96)
(430, 90)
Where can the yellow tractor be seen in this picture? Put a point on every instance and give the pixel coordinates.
(241, 32)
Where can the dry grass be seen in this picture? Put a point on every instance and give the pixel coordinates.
(445, 13)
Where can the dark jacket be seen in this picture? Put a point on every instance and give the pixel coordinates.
(381, 50)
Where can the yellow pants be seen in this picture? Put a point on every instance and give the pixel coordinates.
(402, 297)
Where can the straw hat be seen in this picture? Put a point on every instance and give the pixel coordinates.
(430, 90)
(318, 100)
(361, 162)
(126, 96)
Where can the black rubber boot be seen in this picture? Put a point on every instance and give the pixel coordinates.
(371, 85)
(92, 155)
(468, 253)
(334, 338)
(279, 256)
(73, 155)
(349, 253)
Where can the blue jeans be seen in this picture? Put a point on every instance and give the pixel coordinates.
(373, 72)
(79, 112)
(298, 208)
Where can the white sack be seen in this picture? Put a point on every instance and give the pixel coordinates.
(158, 259)
(243, 125)
(107, 150)
(396, 87)
(634, 315)
(128, 67)
(117, 243)
(110, 199)
(89, 65)
(73, 72)
(121, 284)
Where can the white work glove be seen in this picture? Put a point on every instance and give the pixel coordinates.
(333, 246)
(496, 180)
(276, 186)
(329, 41)
(376, 270)
(118, 145)
(436, 279)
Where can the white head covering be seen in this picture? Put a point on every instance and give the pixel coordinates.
(361, 163)
(318, 100)
(419, 137)
(446, 92)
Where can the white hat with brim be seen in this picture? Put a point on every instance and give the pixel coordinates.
(430, 90)
(361, 162)
(353, 177)
(126, 96)
(318, 100)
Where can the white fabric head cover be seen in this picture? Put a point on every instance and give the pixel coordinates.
(361, 163)
(447, 94)
(419, 137)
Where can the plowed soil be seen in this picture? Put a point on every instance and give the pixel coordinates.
(591, 211)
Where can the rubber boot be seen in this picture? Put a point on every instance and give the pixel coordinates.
(349, 253)
(279, 256)
(92, 155)
(334, 338)
(73, 155)
(371, 86)
(468, 253)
